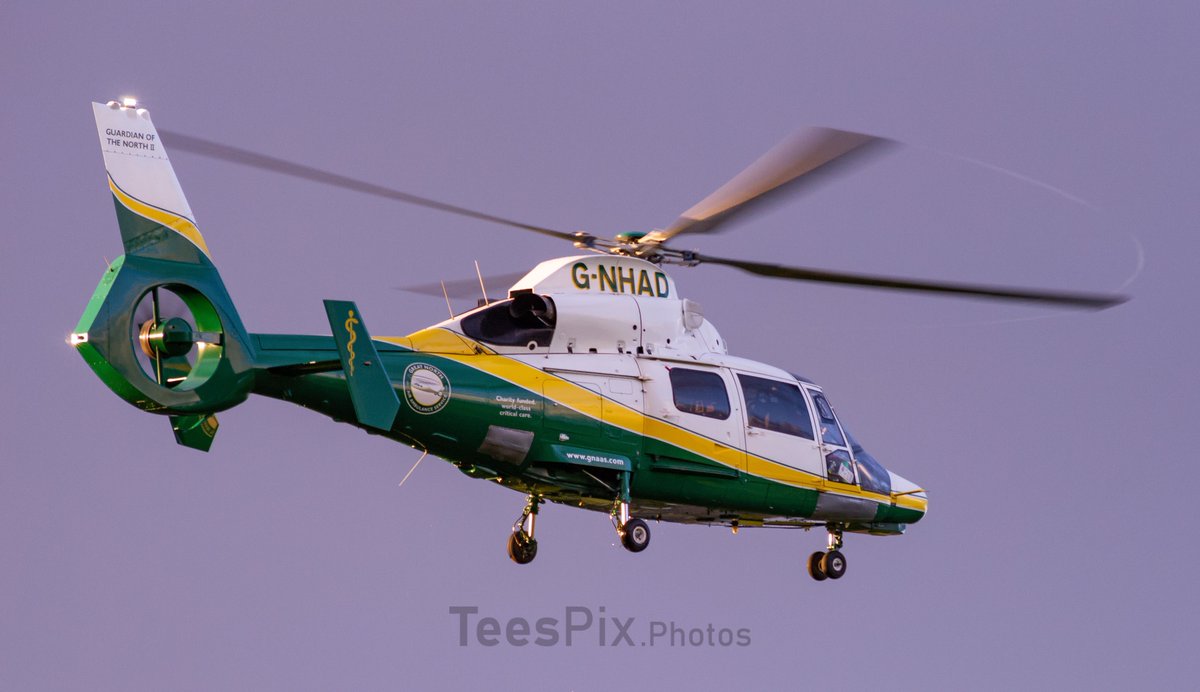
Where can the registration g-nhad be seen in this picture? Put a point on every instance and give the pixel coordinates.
(593, 383)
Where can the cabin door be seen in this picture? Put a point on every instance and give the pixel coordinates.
(693, 413)
(779, 425)
(835, 447)
(616, 399)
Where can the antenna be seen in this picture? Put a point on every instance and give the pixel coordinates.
(445, 293)
(481, 286)
(424, 453)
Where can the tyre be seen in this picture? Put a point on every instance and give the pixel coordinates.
(834, 564)
(635, 535)
(814, 566)
(521, 548)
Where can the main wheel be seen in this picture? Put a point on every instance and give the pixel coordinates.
(521, 548)
(635, 535)
(834, 564)
(814, 566)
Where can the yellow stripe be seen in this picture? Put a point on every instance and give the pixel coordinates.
(397, 340)
(590, 403)
(440, 341)
(175, 222)
(910, 502)
(456, 347)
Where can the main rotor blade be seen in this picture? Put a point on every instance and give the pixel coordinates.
(224, 152)
(1093, 301)
(808, 156)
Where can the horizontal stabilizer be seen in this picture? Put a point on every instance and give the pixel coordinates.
(196, 432)
(375, 402)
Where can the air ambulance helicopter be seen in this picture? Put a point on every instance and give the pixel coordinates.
(593, 383)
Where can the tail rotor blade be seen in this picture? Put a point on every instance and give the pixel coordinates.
(158, 369)
(173, 369)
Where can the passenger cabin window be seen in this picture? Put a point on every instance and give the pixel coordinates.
(526, 319)
(777, 406)
(700, 392)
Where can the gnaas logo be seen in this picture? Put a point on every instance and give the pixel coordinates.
(426, 389)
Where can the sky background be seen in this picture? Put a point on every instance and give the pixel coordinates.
(1050, 144)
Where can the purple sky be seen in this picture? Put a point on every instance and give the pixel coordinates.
(1059, 550)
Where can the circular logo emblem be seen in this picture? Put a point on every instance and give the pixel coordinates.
(426, 389)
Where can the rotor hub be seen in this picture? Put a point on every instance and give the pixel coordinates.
(173, 337)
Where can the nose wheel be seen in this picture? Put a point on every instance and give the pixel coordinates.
(829, 564)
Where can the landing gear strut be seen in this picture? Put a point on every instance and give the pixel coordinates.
(830, 564)
(522, 547)
(634, 533)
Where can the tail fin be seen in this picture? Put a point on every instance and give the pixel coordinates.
(155, 218)
(161, 330)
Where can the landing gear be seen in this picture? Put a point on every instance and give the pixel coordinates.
(635, 536)
(634, 533)
(831, 564)
(522, 547)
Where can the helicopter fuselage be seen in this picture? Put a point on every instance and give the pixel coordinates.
(593, 368)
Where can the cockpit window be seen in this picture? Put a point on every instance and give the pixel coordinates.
(700, 392)
(774, 405)
(871, 474)
(526, 319)
(831, 434)
(802, 378)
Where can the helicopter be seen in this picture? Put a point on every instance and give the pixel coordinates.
(593, 383)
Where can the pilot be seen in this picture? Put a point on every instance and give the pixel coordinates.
(838, 468)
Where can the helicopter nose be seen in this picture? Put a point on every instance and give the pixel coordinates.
(909, 501)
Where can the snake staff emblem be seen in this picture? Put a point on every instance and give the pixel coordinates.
(350, 322)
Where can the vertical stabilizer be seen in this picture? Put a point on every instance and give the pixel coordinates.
(375, 401)
(155, 218)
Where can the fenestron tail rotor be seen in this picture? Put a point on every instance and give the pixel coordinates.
(167, 341)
